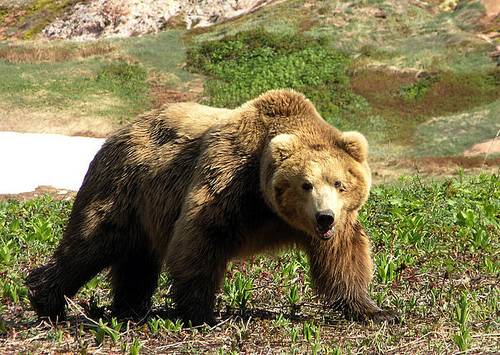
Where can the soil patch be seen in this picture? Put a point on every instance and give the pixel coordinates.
(66, 123)
(491, 146)
(421, 94)
(384, 171)
(164, 94)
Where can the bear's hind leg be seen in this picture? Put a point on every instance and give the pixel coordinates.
(85, 249)
(134, 279)
(74, 263)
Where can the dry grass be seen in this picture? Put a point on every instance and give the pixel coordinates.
(68, 122)
(53, 53)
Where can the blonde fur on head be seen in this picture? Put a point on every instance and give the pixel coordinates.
(283, 103)
(283, 145)
(355, 144)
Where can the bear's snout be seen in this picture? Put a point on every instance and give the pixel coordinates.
(324, 220)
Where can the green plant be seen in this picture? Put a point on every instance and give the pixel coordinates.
(294, 334)
(417, 90)
(463, 338)
(238, 293)
(311, 334)
(293, 297)
(173, 327)
(101, 330)
(386, 268)
(135, 347)
(281, 321)
(158, 324)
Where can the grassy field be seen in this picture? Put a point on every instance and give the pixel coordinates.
(435, 246)
(110, 80)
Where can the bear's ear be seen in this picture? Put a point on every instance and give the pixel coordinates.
(283, 145)
(355, 144)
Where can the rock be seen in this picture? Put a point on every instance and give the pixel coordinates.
(121, 18)
(379, 13)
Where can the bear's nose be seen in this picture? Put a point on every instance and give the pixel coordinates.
(325, 219)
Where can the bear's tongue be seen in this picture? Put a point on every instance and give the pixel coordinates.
(329, 233)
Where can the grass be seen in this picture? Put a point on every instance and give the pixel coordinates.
(242, 66)
(76, 84)
(58, 52)
(451, 134)
(386, 105)
(435, 246)
(360, 69)
(104, 79)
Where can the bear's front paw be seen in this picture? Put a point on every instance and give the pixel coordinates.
(383, 315)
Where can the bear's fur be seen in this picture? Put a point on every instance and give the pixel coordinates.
(193, 187)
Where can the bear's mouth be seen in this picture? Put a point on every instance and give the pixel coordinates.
(325, 234)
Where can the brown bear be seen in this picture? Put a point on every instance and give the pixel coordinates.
(192, 187)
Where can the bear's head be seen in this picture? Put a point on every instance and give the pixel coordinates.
(316, 186)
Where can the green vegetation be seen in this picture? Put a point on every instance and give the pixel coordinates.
(417, 81)
(386, 105)
(103, 79)
(60, 86)
(435, 247)
(386, 68)
(126, 81)
(242, 66)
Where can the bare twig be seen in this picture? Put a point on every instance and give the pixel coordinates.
(489, 148)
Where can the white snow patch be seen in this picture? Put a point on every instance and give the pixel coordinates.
(29, 160)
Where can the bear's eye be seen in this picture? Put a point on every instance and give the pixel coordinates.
(339, 185)
(307, 186)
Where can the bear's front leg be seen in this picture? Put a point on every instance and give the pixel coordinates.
(342, 270)
(197, 268)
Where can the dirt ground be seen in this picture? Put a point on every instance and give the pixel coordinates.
(57, 122)
(386, 171)
(488, 147)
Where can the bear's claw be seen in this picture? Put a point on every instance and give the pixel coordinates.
(384, 315)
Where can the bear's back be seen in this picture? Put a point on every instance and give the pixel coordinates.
(193, 120)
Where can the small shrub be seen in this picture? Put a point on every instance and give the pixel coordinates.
(417, 90)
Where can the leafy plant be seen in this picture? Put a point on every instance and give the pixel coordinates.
(417, 90)
(238, 292)
(386, 269)
(135, 347)
(159, 324)
(101, 330)
(463, 338)
(293, 297)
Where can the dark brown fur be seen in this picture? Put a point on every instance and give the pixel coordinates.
(171, 190)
